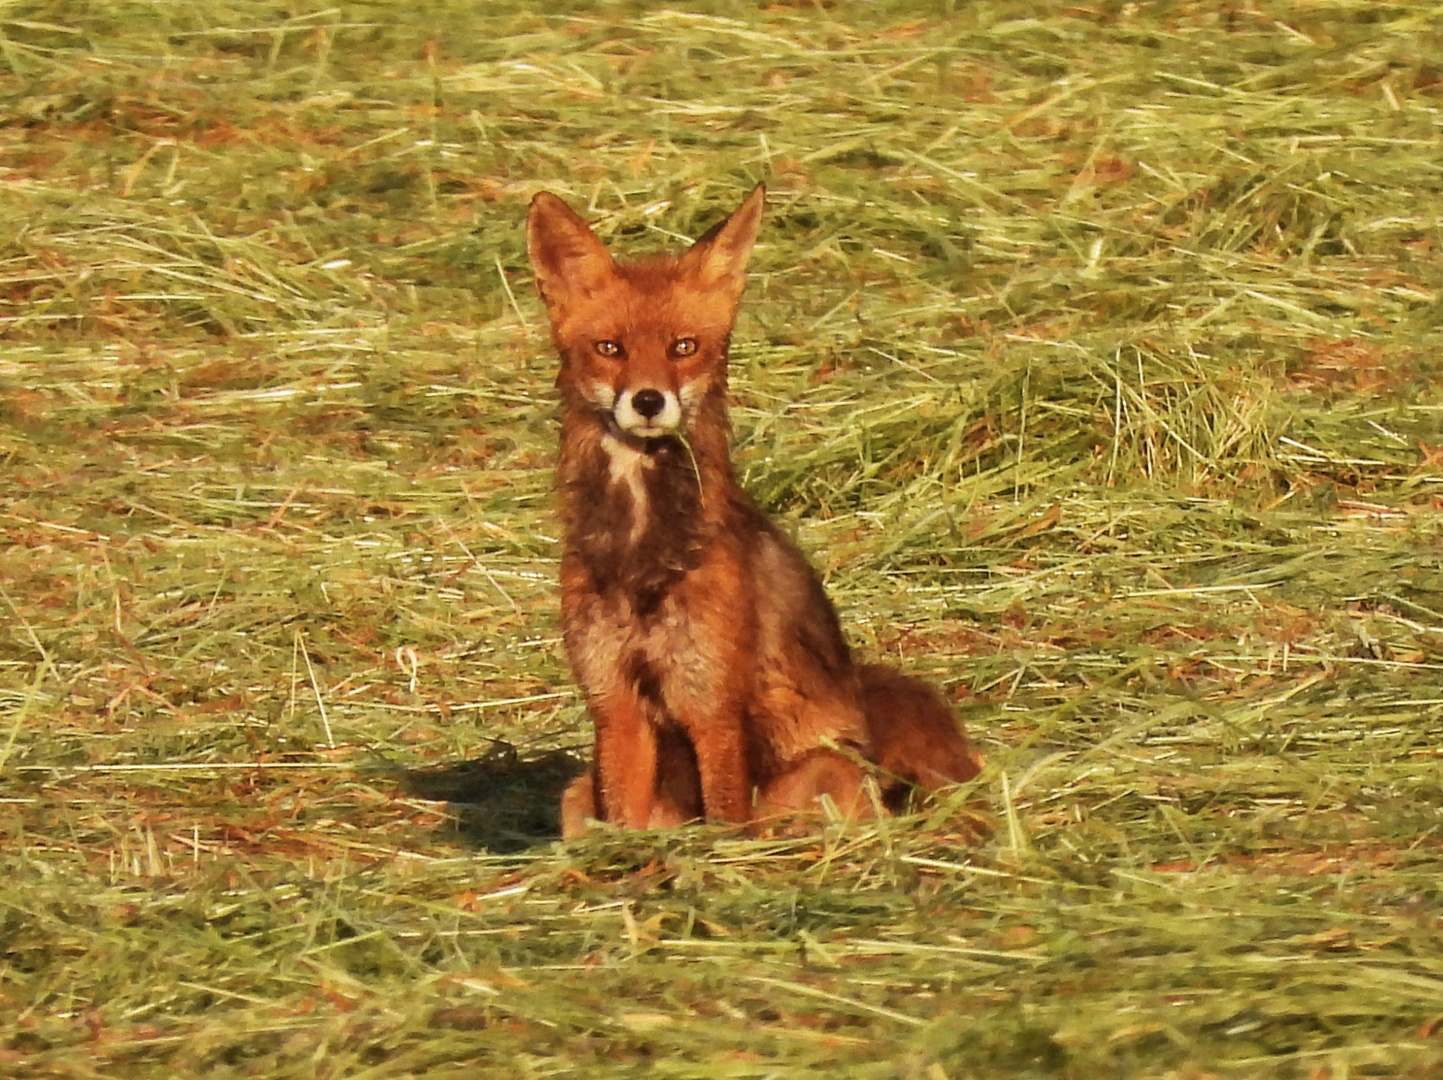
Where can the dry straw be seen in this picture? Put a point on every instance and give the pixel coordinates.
(1091, 350)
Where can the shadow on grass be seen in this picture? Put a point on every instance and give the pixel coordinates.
(502, 802)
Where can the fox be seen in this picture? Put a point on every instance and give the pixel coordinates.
(710, 659)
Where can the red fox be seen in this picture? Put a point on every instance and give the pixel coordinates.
(711, 660)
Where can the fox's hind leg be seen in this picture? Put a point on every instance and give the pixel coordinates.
(796, 791)
(578, 805)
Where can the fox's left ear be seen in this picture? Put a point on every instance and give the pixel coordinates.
(719, 258)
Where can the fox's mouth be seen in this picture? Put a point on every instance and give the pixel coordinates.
(644, 432)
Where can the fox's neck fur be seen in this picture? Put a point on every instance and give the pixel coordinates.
(639, 513)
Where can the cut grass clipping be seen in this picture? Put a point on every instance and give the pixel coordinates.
(1092, 351)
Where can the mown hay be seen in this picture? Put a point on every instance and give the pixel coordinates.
(1091, 351)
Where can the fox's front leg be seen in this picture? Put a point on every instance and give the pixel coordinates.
(625, 759)
(708, 672)
(719, 739)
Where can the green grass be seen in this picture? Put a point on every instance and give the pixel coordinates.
(1091, 350)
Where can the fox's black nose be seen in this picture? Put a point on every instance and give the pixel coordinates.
(648, 403)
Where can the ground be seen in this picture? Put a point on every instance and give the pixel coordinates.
(1091, 351)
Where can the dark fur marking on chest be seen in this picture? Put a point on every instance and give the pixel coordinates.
(641, 559)
(644, 677)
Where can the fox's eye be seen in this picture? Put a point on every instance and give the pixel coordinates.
(683, 347)
(608, 348)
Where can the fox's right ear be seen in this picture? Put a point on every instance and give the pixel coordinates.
(565, 253)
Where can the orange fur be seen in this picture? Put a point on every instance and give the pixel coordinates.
(711, 661)
(916, 743)
(916, 740)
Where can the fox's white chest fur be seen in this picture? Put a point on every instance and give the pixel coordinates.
(626, 472)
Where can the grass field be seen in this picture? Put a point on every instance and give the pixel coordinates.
(1092, 350)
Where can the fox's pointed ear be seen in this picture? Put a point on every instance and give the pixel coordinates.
(565, 253)
(719, 258)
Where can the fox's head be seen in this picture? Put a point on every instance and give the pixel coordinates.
(643, 343)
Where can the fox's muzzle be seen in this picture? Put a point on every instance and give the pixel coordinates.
(647, 412)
